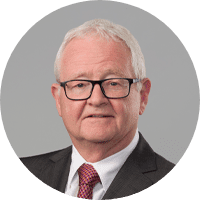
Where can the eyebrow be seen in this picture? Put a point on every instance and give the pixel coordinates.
(106, 72)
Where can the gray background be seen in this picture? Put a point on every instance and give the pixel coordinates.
(29, 113)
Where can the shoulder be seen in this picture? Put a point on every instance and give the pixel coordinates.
(163, 164)
(151, 164)
(36, 164)
(163, 167)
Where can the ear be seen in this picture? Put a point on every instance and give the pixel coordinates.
(56, 95)
(144, 94)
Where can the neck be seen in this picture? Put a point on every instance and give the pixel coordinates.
(93, 152)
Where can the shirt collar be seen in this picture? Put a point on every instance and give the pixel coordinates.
(106, 168)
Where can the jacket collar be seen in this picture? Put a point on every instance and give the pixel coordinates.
(129, 180)
(57, 172)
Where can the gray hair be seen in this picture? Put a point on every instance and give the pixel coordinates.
(106, 29)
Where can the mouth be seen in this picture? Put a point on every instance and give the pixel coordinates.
(99, 116)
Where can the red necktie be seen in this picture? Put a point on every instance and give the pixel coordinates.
(88, 177)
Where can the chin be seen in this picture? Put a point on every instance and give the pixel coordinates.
(99, 141)
(103, 142)
(98, 135)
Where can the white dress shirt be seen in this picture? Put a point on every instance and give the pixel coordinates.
(106, 168)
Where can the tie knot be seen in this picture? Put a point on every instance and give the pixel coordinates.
(88, 175)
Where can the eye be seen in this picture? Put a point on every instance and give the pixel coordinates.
(79, 85)
(113, 83)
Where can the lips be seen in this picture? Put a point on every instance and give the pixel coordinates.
(98, 116)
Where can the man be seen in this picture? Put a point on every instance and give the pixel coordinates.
(102, 89)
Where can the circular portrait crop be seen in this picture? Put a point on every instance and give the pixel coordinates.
(99, 100)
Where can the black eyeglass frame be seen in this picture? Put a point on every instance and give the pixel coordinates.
(62, 84)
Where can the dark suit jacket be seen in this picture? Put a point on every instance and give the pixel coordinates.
(142, 169)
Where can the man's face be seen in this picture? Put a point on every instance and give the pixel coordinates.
(97, 59)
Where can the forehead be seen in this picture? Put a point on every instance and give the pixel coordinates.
(86, 56)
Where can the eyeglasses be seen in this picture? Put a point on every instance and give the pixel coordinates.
(113, 88)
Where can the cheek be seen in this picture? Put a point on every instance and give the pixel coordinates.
(71, 112)
(127, 111)
(134, 107)
(122, 111)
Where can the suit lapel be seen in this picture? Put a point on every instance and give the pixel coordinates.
(57, 170)
(130, 178)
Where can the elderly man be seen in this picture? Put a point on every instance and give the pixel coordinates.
(102, 89)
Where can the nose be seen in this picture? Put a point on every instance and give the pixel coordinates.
(97, 98)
